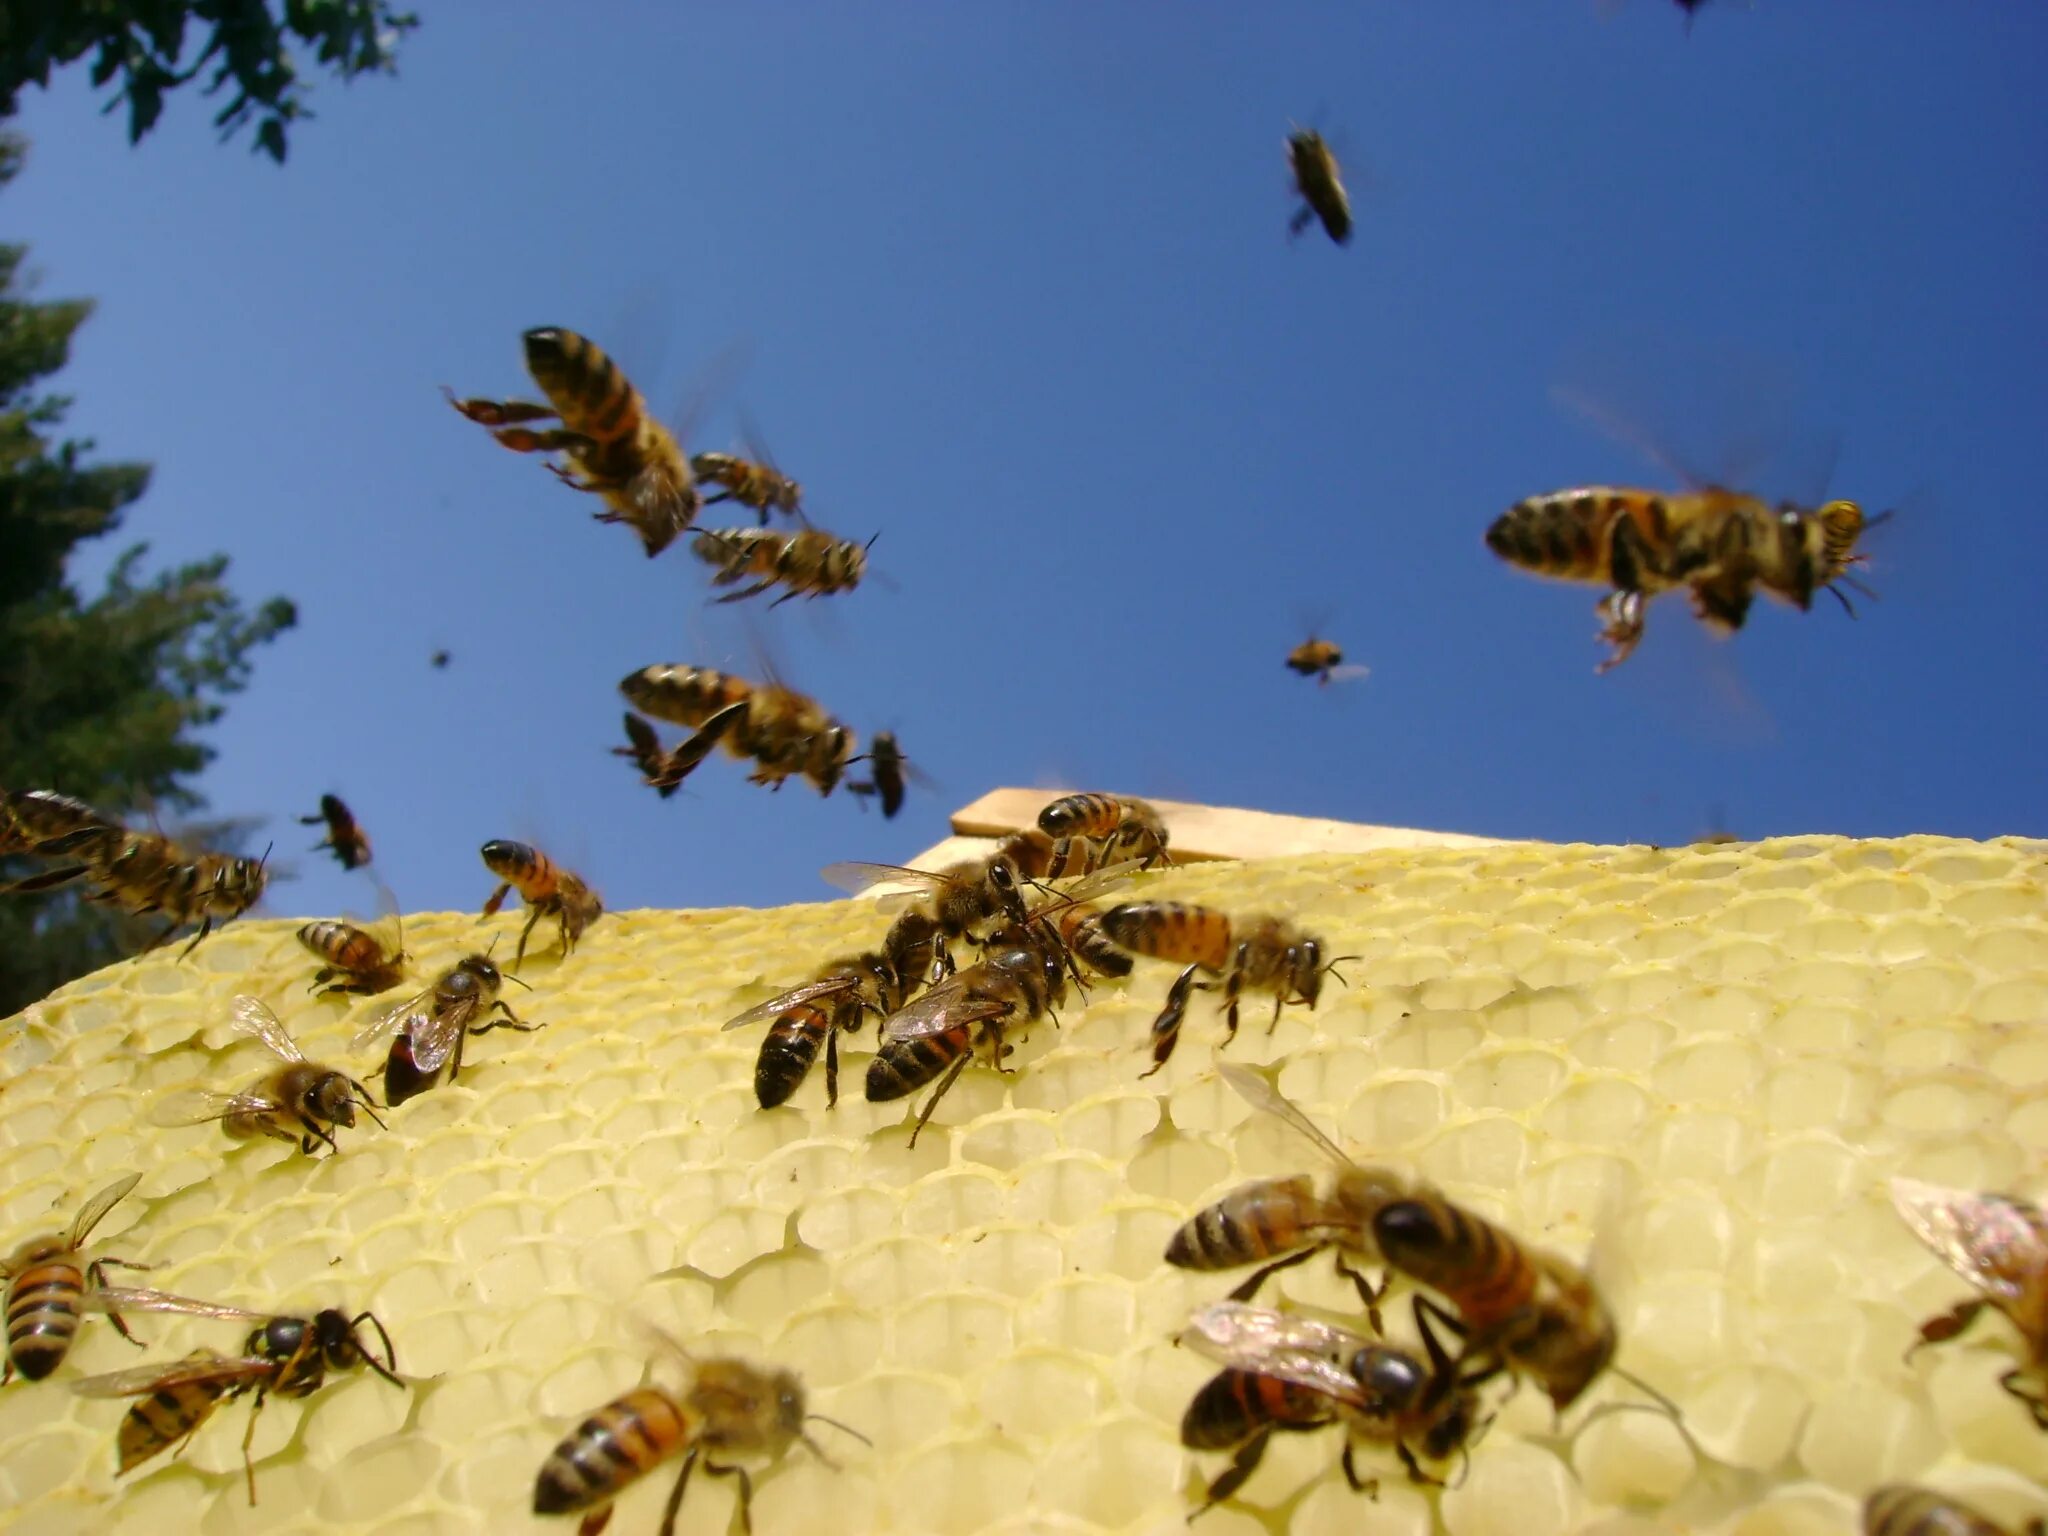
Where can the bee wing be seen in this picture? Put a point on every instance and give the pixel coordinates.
(945, 1007)
(253, 1017)
(857, 877)
(1995, 1242)
(204, 1366)
(94, 1211)
(831, 986)
(1301, 1350)
(194, 1106)
(434, 1036)
(1262, 1095)
(390, 1020)
(128, 1298)
(1349, 673)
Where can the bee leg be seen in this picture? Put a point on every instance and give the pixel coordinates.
(496, 899)
(525, 440)
(1367, 1295)
(510, 1021)
(533, 915)
(205, 927)
(1233, 984)
(668, 1513)
(1939, 1330)
(498, 413)
(1621, 613)
(1369, 1486)
(315, 1135)
(938, 1093)
(832, 1068)
(1250, 1287)
(248, 1435)
(1241, 1467)
(1303, 217)
(48, 880)
(757, 588)
(96, 1273)
(746, 1509)
(2014, 1382)
(1166, 1027)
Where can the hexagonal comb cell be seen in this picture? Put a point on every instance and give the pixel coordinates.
(1705, 1068)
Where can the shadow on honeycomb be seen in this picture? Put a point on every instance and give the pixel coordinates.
(1731, 1047)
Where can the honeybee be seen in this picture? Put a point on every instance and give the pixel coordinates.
(784, 732)
(879, 981)
(1293, 1218)
(301, 1101)
(959, 900)
(47, 1279)
(1126, 828)
(888, 769)
(430, 1029)
(1999, 1244)
(439, 660)
(1023, 975)
(357, 960)
(350, 843)
(750, 483)
(1259, 954)
(1321, 189)
(1899, 1510)
(729, 1411)
(145, 872)
(809, 562)
(614, 446)
(45, 823)
(1081, 931)
(547, 889)
(285, 1355)
(1521, 1309)
(1287, 1373)
(1322, 660)
(1723, 545)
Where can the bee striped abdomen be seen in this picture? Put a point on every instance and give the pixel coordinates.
(582, 383)
(42, 1315)
(1235, 1405)
(1171, 930)
(621, 1442)
(904, 1066)
(1247, 1225)
(1450, 1250)
(1565, 534)
(787, 1052)
(163, 1418)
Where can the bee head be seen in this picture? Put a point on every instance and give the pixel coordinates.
(333, 1100)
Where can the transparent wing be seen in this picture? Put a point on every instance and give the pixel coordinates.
(1263, 1096)
(194, 1106)
(857, 877)
(253, 1017)
(205, 1366)
(434, 1037)
(831, 986)
(1300, 1350)
(407, 1015)
(127, 1298)
(946, 1008)
(94, 1211)
(1349, 673)
(1993, 1241)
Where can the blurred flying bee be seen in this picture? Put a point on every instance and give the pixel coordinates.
(45, 823)
(1321, 189)
(728, 1411)
(1128, 829)
(301, 1101)
(784, 733)
(643, 750)
(1322, 660)
(809, 562)
(1257, 954)
(350, 843)
(1022, 976)
(1723, 545)
(288, 1356)
(439, 660)
(547, 889)
(146, 871)
(429, 1029)
(1519, 1309)
(357, 960)
(888, 769)
(879, 981)
(1287, 1374)
(1899, 1510)
(1999, 1244)
(47, 1278)
(751, 483)
(1294, 1218)
(613, 445)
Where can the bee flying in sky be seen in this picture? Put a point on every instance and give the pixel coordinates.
(783, 732)
(888, 769)
(301, 1101)
(1321, 189)
(350, 843)
(47, 1279)
(808, 562)
(1999, 1244)
(614, 447)
(1323, 661)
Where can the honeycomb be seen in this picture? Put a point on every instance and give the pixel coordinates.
(1713, 1056)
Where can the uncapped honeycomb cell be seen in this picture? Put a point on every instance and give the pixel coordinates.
(1695, 1068)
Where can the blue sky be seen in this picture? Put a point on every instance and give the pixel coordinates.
(1013, 288)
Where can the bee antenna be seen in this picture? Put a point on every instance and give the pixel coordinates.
(1847, 607)
(369, 1104)
(388, 1366)
(512, 976)
(1331, 966)
(1659, 1404)
(818, 1451)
